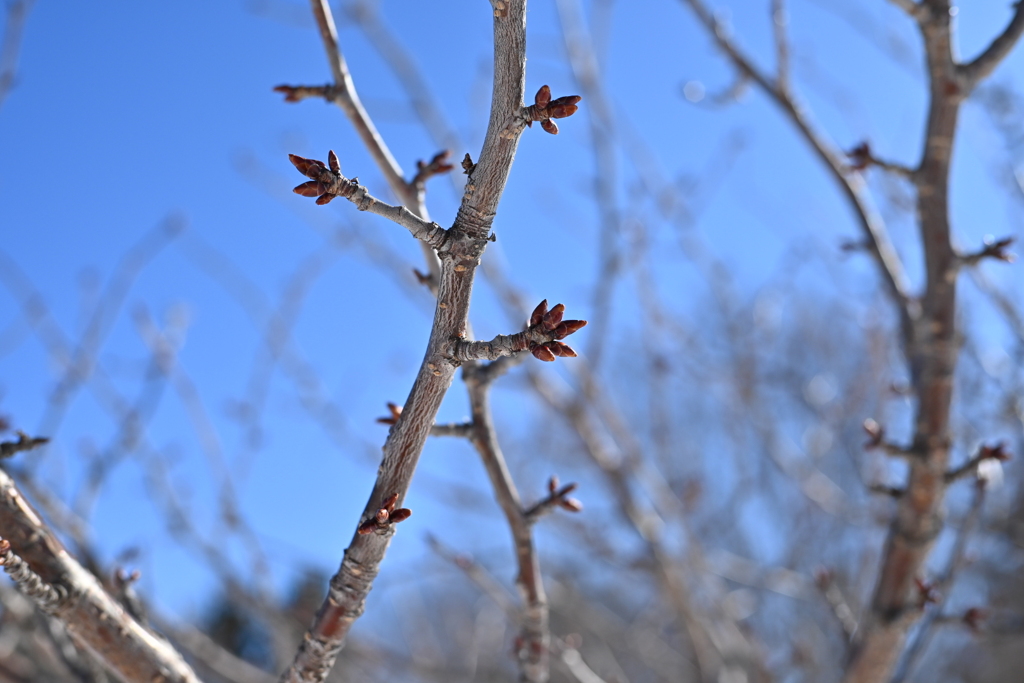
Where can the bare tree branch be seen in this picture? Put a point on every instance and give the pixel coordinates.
(982, 66)
(94, 619)
(328, 183)
(460, 256)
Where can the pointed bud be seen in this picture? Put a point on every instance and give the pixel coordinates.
(560, 349)
(568, 488)
(567, 327)
(367, 527)
(538, 313)
(389, 502)
(552, 484)
(325, 199)
(332, 159)
(553, 317)
(543, 96)
(549, 126)
(310, 189)
(542, 353)
(400, 515)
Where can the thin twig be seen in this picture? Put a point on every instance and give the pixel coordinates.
(328, 183)
(875, 233)
(982, 66)
(346, 97)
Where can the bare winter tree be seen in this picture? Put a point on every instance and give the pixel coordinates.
(703, 432)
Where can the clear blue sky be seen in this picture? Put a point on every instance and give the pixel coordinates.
(125, 114)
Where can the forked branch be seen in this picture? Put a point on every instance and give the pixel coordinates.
(462, 249)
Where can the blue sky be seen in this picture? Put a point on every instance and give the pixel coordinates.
(127, 115)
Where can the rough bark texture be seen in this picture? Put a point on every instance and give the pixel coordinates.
(91, 616)
(459, 257)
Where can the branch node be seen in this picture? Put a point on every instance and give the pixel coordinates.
(994, 249)
(544, 109)
(997, 452)
(386, 516)
(557, 497)
(425, 170)
(861, 158)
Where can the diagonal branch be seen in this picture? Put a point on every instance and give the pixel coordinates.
(343, 93)
(460, 256)
(69, 592)
(982, 66)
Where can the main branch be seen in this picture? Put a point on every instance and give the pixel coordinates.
(459, 257)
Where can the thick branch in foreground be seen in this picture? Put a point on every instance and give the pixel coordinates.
(67, 591)
(328, 183)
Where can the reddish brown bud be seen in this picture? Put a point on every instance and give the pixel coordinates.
(543, 353)
(367, 527)
(549, 126)
(563, 107)
(571, 504)
(332, 159)
(400, 515)
(310, 189)
(325, 199)
(974, 616)
(538, 313)
(567, 327)
(568, 488)
(389, 502)
(560, 349)
(553, 484)
(553, 317)
(543, 96)
(290, 93)
(382, 516)
(311, 168)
